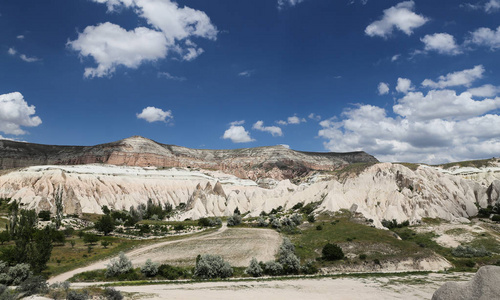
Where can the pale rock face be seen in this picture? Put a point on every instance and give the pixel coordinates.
(383, 191)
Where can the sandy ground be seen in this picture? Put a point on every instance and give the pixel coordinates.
(239, 245)
(452, 235)
(408, 287)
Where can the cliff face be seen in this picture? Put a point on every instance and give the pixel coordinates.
(271, 162)
(382, 191)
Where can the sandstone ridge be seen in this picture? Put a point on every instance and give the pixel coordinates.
(275, 162)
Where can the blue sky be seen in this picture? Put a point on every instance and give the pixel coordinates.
(402, 80)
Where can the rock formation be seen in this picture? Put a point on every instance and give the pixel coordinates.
(483, 286)
(275, 162)
(381, 191)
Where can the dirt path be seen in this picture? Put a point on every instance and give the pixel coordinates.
(134, 253)
(413, 287)
(235, 245)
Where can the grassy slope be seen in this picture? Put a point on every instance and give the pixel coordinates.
(354, 238)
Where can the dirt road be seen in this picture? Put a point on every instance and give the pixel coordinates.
(236, 245)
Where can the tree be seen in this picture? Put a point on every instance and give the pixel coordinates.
(150, 268)
(254, 269)
(13, 218)
(332, 252)
(44, 215)
(41, 250)
(105, 224)
(118, 266)
(212, 266)
(234, 220)
(105, 210)
(59, 207)
(90, 238)
(4, 236)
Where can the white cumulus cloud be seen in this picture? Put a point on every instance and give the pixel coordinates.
(442, 43)
(152, 114)
(16, 113)
(487, 90)
(400, 17)
(460, 78)
(436, 127)
(486, 37)
(404, 85)
(273, 130)
(110, 45)
(314, 117)
(383, 88)
(237, 133)
(292, 120)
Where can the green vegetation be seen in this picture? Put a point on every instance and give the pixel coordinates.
(363, 240)
(470, 163)
(332, 252)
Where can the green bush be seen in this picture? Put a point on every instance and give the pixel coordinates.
(362, 256)
(273, 268)
(112, 294)
(298, 205)
(74, 295)
(287, 258)
(212, 266)
(149, 269)
(33, 285)
(89, 238)
(319, 227)
(311, 218)
(496, 218)
(44, 215)
(467, 251)
(234, 220)
(254, 269)
(118, 266)
(332, 252)
(170, 272)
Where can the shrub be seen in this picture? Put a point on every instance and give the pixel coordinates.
(275, 223)
(273, 268)
(44, 215)
(212, 266)
(179, 227)
(19, 273)
(33, 285)
(287, 258)
(332, 252)
(261, 222)
(89, 238)
(466, 251)
(105, 224)
(496, 218)
(254, 269)
(309, 208)
(309, 268)
(319, 227)
(234, 220)
(170, 272)
(311, 218)
(112, 294)
(149, 269)
(205, 222)
(298, 205)
(118, 266)
(296, 219)
(362, 256)
(74, 295)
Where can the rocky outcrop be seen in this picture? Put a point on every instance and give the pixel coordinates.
(382, 191)
(483, 286)
(275, 162)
